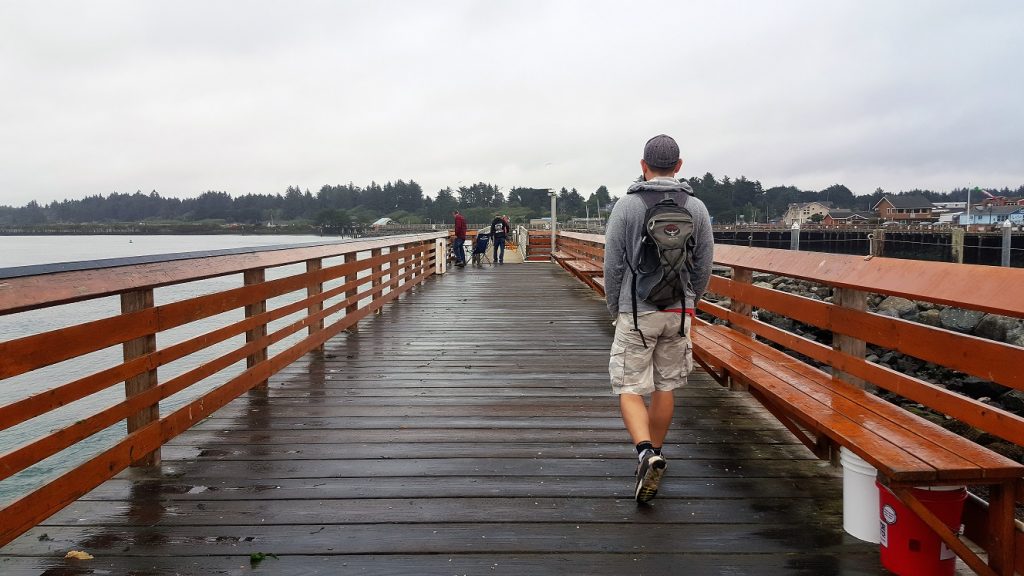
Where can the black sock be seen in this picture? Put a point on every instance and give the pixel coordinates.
(657, 450)
(645, 445)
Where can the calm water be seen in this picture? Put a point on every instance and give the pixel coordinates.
(32, 250)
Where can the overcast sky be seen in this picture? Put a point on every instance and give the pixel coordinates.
(251, 96)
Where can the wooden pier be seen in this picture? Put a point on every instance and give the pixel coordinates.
(467, 429)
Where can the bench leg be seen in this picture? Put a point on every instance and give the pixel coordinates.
(1001, 527)
(819, 445)
(952, 540)
(720, 376)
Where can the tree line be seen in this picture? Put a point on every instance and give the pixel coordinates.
(337, 206)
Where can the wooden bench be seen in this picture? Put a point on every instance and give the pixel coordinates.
(582, 258)
(578, 265)
(827, 411)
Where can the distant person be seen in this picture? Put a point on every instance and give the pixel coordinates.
(651, 353)
(460, 239)
(499, 229)
(508, 226)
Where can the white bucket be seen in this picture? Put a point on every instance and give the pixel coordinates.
(860, 497)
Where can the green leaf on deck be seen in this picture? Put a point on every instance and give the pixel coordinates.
(256, 557)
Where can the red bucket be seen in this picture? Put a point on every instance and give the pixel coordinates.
(907, 545)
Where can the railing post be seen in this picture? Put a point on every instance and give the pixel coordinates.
(1007, 239)
(794, 237)
(854, 300)
(554, 222)
(741, 276)
(957, 238)
(377, 269)
(313, 289)
(250, 277)
(421, 259)
(878, 242)
(354, 306)
(441, 256)
(132, 302)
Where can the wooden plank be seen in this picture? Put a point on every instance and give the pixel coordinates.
(585, 267)
(530, 564)
(987, 288)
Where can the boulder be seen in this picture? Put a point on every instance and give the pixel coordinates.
(763, 285)
(1016, 337)
(995, 327)
(782, 323)
(1013, 401)
(960, 320)
(979, 388)
(901, 306)
(929, 317)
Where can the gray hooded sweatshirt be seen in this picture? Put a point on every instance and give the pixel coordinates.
(622, 237)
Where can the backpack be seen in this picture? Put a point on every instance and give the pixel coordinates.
(664, 257)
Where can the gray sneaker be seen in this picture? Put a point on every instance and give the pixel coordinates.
(648, 475)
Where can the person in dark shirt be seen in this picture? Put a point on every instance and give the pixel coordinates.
(499, 229)
(460, 239)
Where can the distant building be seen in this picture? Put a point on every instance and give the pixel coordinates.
(951, 217)
(844, 217)
(905, 209)
(803, 211)
(544, 223)
(382, 222)
(993, 216)
(1002, 201)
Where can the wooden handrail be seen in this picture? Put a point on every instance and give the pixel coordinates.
(371, 272)
(61, 287)
(971, 286)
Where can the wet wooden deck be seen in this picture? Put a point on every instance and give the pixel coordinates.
(469, 429)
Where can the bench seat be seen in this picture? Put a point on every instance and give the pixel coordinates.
(585, 267)
(563, 255)
(906, 449)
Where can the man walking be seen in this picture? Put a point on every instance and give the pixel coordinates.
(460, 239)
(499, 229)
(652, 355)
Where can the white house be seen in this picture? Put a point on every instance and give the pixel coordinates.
(803, 211)
(993, 216)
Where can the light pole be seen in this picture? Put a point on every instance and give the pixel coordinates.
(554, 220)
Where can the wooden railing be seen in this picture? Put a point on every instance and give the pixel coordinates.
(849, 281)
(341, 283)
(590, 246)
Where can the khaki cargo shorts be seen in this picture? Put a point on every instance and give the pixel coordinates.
(663, 365)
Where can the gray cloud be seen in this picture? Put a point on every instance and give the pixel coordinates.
(184, 97)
